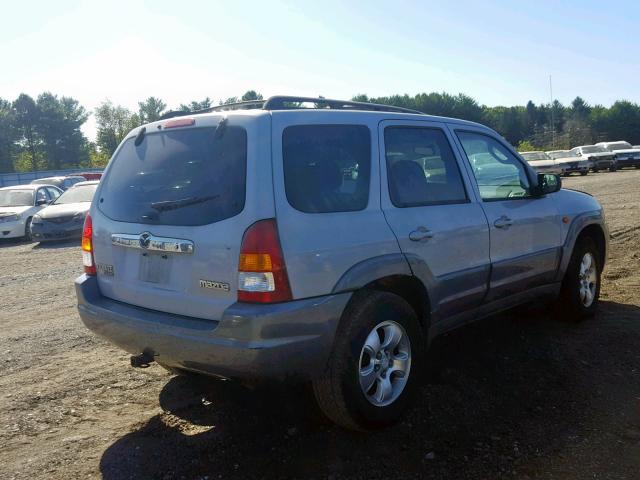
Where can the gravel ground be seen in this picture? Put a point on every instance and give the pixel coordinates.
(520, 395)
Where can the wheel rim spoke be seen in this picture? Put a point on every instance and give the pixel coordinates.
(384, 389)
(372, 343)
(400, 363)
(392, 336)
(368, 376)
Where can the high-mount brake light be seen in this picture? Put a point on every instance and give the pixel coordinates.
(262, 274)
(181, 122)
(87, 247)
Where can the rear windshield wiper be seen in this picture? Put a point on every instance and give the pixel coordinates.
(183, 202)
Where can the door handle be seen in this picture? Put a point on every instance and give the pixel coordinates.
(503, 222)
(420, 234)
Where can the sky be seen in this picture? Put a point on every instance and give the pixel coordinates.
(500, 52)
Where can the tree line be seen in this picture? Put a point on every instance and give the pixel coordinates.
(45, 133)
(536, 127)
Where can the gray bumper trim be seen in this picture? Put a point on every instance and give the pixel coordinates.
(292, 339)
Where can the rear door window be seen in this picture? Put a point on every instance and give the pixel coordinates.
(422, 169)
(185, 177)
(327, 167)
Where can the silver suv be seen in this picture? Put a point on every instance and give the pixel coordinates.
(327, 244)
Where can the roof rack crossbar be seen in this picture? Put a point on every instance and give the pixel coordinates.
(284, 102)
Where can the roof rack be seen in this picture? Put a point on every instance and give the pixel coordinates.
(283, 102)
(287, 103)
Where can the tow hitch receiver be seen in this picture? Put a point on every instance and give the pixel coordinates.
(142, 360)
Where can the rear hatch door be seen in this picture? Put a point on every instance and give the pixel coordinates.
(172, 208)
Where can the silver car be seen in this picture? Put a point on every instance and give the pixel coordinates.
(231, 242)
(64, 217)
(571, 162)
(602, 159)
(543, 163)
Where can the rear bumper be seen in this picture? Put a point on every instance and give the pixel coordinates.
(286, 340)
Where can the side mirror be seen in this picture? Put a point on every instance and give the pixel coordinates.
(548, 183)
(41, 202)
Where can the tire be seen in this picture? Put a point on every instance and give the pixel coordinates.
(339, 394)
(574, 300)
(594, 170)
(612, 169)
(27, 230)
(584, 173)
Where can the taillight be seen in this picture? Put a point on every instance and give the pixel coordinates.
(262, 275)
(87, 246)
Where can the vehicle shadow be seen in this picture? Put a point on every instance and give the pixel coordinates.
(498, 396)
(12, 242)
(53, 244)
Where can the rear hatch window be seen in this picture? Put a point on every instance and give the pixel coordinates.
(186, 177)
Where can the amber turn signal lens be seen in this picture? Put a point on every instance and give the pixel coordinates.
(255, 262)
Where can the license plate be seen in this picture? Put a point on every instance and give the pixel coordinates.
(154, 268)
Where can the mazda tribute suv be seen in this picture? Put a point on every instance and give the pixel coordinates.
(329, 244)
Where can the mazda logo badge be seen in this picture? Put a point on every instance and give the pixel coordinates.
(144, 240)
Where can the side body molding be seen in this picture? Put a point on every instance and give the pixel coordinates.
(372, 269)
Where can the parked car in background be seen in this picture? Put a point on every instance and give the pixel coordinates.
(64, 217)
(91, 175)
(571, 162)
(232, 243)
(62, 182)
(626, 155)
(602, 159)
(18, 205)
(542, 163)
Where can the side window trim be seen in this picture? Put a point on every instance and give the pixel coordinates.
(385, 165)
(456, 128)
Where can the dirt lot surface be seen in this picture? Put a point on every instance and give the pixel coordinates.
(521, 395)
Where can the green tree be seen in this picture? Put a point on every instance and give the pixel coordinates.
(525, 146)
(7, 136)
(58, 125)
(195, 105)
(623, 121)
(251, 95)
(113, 124)
(151, 109)
(229, 100)
(26, 119)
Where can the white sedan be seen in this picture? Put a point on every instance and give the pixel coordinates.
(542, 163)
(18, 205)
